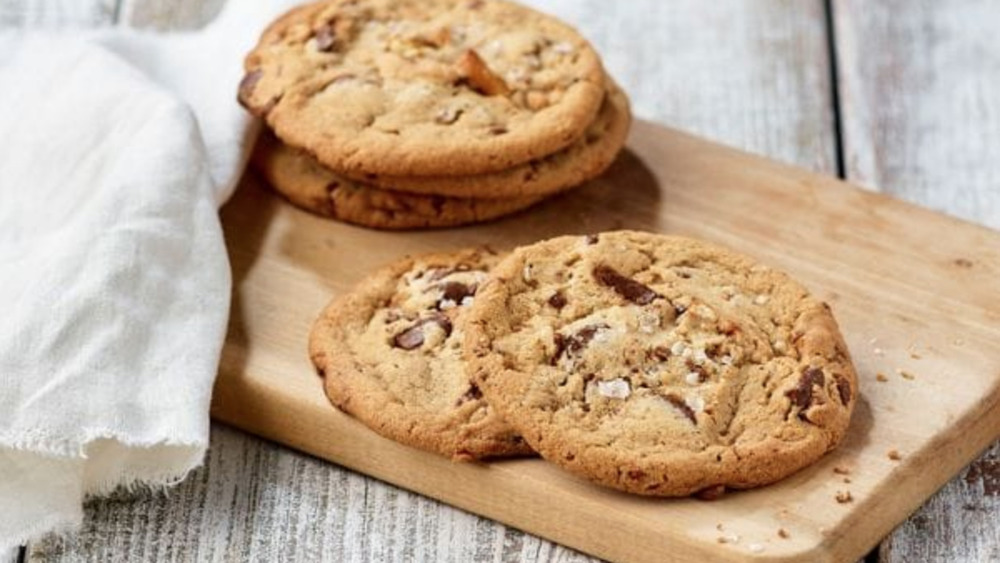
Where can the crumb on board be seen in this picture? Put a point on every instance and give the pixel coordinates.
(783, 534)
(915, 355)
(878, 352)
(881, 378)
(756, 548)
(728, 538)
(718, 526)
(905, 374)
(841, 470)
(844, 497)
(894, 455)
(847, 480)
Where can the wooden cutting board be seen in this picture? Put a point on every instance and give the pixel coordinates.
(916, 293)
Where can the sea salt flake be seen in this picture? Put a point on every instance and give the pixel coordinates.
(614, 388)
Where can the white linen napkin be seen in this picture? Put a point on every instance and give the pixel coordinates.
(114, 282)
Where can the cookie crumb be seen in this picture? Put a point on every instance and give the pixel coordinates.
(847, 480)
(728, 538)
(881, 378)
(878, 352)
(894, 455)
(844, 497)
(718, 526)
(915, 355)
(905, 374)
(840, 470)
(783, 534)
(756, 548)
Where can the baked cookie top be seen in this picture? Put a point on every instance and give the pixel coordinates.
(660, 365)
(390, 354)
(304, 182)
(423, 87)
(582, 160)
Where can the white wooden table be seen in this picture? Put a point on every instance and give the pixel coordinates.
(900, 96)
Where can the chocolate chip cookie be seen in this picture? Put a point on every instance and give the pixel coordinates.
(390, 354)
(307, 184)
(423, 87)
(660, 365)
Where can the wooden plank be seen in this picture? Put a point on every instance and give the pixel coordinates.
(56, 13)
(255, 501)
(751, 73)
(895, 274)
(172, 15)
(921, 101)
(920, 84)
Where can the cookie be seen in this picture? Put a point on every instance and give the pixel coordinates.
(301, 180)
(423, 87)
(586, 158)
(660, 365)
(390, 354)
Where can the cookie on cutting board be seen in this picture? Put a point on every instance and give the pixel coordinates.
(660, 365)
(390, 355)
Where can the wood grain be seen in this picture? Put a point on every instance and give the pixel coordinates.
(883, 264)
(920, 85)
(57, 13)
(172, 15)
(255, 501)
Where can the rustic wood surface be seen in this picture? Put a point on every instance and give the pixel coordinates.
(839, 240)
(920, 91)
(772, 59)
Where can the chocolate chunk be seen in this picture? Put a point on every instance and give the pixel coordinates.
(626, 287)
(247, 85)
(801, 395)
(844, 387)
(471, 395)
(661, 353)
(571, 345)
(413, 337)
(456, 292)
(680, 405)
(558, 300)
(442, 321)
(326, 39)
(591, 239)
(410, 338)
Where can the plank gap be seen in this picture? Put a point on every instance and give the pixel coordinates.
(831, 46)
(116, 13)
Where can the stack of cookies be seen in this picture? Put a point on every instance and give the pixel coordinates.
(428, 113)
(653, 364)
